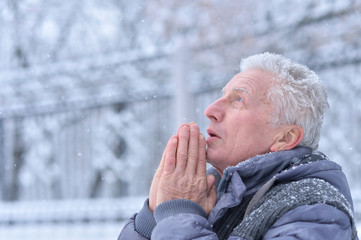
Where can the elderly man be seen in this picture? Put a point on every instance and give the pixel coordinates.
(267, 180)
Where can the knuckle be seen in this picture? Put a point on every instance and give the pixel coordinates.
(182, 155)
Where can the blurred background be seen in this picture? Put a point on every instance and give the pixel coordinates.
(90, 92)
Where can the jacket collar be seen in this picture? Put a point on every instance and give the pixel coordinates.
(248, 176)
(255, 171)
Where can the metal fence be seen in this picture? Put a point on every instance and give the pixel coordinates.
(98, 152)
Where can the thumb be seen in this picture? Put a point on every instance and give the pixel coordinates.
(212, 200)
(213, 196)
(210, 182)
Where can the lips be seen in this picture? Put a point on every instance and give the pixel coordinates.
(212, 133)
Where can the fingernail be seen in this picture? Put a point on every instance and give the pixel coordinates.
(185, 128)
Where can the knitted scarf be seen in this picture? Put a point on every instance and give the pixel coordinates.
(285, 197)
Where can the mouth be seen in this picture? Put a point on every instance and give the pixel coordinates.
(212, 133)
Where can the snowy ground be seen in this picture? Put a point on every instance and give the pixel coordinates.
(76, 231)
(63, 220)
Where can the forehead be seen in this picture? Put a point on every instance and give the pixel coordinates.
(252, 81)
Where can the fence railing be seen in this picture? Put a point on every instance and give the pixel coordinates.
(89, 153)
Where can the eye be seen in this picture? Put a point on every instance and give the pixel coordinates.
(237, 98)
(237, 102)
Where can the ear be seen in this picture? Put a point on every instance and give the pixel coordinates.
(289, 137)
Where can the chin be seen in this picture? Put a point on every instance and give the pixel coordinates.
(214, 164)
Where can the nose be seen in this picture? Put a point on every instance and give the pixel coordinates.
(215, 111)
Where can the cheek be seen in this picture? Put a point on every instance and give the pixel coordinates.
(239, 136)
(252, 129)
(246, 127)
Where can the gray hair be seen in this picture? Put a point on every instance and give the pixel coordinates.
(299, 97)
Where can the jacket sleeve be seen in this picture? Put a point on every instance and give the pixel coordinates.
(319, 221)
(181, 219)
(139, 226)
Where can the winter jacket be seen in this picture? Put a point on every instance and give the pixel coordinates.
(184, 219)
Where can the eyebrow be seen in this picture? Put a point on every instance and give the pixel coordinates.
(238, 89)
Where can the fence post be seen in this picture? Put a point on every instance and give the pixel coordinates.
(183, 98)
(2, 160)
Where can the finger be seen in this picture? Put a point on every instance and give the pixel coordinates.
(180, 128)
(210, 183)
(170, 156)
(202, 162)
(161, 164)
(160, 169)
(155, 181)
(193, 148)
(182, 149)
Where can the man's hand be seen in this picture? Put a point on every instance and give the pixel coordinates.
(182, 171)
(155, 183)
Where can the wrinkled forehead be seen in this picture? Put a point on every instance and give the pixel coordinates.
(252, 81)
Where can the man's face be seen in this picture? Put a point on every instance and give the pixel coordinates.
(240, 125)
